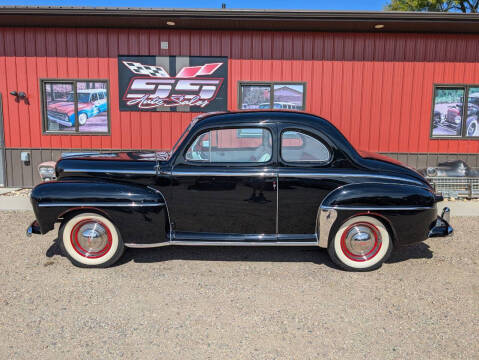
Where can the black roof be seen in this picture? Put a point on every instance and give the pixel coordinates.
(238, 19)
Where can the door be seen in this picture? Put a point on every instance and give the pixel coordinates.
(225, 184)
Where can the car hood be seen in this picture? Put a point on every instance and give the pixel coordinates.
(383, 163)
(117, 165)
(62, 107)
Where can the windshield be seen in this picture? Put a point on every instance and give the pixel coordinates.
(82, 97)
(180, 140)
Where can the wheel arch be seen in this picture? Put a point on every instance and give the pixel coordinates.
(139, 213)
(395, 205)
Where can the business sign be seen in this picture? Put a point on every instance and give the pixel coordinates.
(173, 83)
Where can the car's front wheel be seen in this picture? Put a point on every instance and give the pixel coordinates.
(90, 240)
(472, 127)
(361, 243)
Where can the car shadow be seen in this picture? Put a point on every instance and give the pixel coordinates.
(248, 253)
(414, 251)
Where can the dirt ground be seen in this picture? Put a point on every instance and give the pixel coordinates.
(238, 303)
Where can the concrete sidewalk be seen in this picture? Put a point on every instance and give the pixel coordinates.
(458, 208)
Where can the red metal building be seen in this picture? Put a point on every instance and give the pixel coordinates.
(388, 81)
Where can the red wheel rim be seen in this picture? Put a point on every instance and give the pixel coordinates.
(361, 241)
(91, 238)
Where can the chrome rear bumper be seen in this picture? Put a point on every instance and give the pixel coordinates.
(34, 228)
(441, 226)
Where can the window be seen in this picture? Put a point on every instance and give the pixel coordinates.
(289, 96)
(455, 111)
(75, 106)
(225, 145)
(300, 147)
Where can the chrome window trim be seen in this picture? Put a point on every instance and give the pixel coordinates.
(101, 204)
(316, 162)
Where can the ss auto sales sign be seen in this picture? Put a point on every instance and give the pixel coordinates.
(173, 83)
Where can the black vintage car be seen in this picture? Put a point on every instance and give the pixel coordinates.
(264, 178)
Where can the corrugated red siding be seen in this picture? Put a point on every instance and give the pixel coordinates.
(377, 88)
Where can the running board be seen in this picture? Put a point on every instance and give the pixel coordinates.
(223, 243)
(209, 239)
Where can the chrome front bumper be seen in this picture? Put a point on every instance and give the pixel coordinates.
(441, 226)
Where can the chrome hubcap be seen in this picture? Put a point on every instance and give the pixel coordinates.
(471, 130)
(361, 241)
(91, 238)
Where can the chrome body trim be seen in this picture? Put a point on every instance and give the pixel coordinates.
(223, 173)
(295, 174)
(147, 246)
(377, 208)
(325, 221)
(243, 243)
(349, 175)
(221, 243)
(101, 204)
(111, 171)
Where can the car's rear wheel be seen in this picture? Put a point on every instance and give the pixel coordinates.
(90, 240)
(82, 118)
(361, 243)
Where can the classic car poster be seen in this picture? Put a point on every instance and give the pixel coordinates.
(76, 106)
(173, 83)
(272, 96)
(447, 117)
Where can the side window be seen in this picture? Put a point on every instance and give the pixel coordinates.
(93, 97)
(228, 145)
(297, 146)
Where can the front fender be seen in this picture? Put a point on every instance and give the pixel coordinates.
(139, 212)
(407, 210)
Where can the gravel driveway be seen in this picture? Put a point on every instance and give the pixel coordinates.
(238, 303)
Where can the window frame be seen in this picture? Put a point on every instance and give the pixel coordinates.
(463, 136)
(228, 163)
(76, 131)
(271, 85)
(304, 162)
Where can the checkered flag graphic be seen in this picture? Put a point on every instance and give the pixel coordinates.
(150, 70)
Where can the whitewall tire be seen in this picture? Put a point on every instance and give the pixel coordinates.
(90, 240)
(361, 243)
(82, 118)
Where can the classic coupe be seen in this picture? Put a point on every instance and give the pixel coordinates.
(253, 178)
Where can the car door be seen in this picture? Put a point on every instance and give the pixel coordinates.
(224, 182)
(303, 162)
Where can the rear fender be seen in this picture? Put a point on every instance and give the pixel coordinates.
(406, 210)
(140, 213)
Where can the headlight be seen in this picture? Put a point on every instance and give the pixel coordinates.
(47, 170)
(457, 119)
